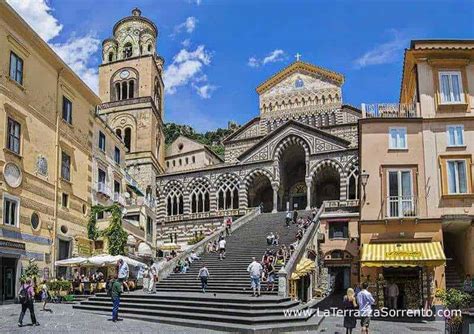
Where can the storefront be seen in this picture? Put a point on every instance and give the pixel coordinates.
(410, 266)
(10, 269)
(300, 281)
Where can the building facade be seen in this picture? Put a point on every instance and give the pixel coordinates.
(45, 161)
(415, 156)
(299, 152)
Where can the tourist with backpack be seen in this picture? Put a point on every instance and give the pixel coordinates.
(228, 226)
(203, 276)
(26, 297)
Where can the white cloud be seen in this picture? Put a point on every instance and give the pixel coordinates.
(197, 2)
(276, 55)
(253, 62)
(189, 25)
(186, 43)
(77, 52)
(384, 53)
(38, 15)
(205, 91)
(187, 68)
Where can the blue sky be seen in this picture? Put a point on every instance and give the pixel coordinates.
(227, 48)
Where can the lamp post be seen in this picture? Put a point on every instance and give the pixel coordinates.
(364, 178)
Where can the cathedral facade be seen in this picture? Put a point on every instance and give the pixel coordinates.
(298, 153)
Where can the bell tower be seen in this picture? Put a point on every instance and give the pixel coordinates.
(131, 89)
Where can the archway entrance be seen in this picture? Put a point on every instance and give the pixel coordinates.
(292, 175)
(326, 186)
(260, 192)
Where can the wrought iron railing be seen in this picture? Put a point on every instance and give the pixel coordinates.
(401, 206)
(390, 110)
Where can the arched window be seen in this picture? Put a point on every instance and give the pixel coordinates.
(118, 92)
(127, 50)
(228, 192)
(118, 132)
(111, 56)
(128, 138)
(157, 93)
(149, 47)
(124, 94)
(353, 182)
(131, 87)
(174, 200)
(200, 196)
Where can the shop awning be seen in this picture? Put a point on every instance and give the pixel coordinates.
(423, 254)
(303, 268)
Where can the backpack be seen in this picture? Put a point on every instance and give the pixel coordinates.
(23, 295)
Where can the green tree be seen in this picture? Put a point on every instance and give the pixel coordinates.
(115, 234)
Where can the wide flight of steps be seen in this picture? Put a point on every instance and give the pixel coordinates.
(228, 305)
(230, 275)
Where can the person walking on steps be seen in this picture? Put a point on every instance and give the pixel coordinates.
(203, 275)
(222, 243)
(350, 306)
(288, 218)
(116, 291)
(26, 297)
(228, 226)
(255, 269)
(295, 216)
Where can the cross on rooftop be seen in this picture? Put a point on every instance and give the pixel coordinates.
(297, 56)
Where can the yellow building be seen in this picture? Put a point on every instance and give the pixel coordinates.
(417, 202)
(46, 113)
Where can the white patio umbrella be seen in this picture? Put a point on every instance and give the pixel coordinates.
(72, 262)
(106, 259)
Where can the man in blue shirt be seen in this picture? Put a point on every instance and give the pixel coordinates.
(365, 301)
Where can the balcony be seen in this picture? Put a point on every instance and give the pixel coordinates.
(401, 206)
(103, 188)
(119, 199)
(391, 110)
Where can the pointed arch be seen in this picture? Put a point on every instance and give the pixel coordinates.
(227, 186)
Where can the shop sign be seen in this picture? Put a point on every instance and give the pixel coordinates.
(12, 244)
(84, 247)
(399, 254)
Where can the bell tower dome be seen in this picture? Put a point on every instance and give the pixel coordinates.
(131, 88)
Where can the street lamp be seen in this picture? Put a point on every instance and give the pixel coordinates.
(364, 178)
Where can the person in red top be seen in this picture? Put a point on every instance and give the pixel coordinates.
(228, 226)
(26, 296)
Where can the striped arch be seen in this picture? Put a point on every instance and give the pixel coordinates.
(251, 176)
(288, 141)
(352, 162)
(324, 163)
(196, 180)
(228, 191)
(199, 190)
(352, 178)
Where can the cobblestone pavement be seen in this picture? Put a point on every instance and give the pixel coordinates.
(333, 325)
(64, 319)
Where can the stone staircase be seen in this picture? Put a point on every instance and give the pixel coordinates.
(228, 305)
(453, 278)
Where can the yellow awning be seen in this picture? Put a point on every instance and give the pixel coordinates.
(415, 254)
(302, 268)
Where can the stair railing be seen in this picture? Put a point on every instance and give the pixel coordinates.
(285, 272)
(167, 268)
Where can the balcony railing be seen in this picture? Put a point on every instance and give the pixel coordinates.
(103, 188)
(390, 110)
(402, 206)
(119, 199)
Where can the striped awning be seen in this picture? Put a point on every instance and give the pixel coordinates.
(415, 254)
(304, 267)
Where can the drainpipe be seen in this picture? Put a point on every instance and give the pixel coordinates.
(56, 180)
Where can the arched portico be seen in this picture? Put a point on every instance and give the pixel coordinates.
(259, 190)
(326, 182)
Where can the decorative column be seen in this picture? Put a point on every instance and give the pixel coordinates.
(275, 187)
(243, 200)
(186, 203)
(308, 193)
(343, 186)
(213, 200)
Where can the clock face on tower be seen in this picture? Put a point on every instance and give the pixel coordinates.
(124, 74)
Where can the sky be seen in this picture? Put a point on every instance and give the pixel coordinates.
(218, 51)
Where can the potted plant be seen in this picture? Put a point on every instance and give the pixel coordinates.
(453, 299)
